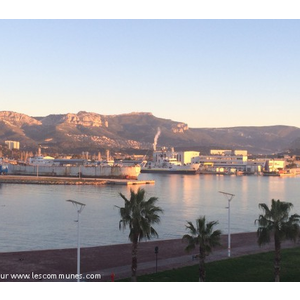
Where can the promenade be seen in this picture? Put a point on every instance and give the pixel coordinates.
(105, 260)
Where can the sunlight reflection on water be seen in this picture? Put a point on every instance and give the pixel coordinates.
(38, 216)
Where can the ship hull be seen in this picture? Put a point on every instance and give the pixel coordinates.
(270, 173)
(119, 172)
(168, 171)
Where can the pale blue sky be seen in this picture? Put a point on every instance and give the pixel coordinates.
(206, 73)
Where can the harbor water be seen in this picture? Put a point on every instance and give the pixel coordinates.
(35, 217)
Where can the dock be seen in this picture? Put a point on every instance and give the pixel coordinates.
(20, 179)
(130, 182)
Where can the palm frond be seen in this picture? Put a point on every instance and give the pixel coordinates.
(139, 214)
(203, 235)
(276, 220)
(124, 198)
(191, 242)
(192, 229)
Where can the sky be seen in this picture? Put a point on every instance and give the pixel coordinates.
(204, 72)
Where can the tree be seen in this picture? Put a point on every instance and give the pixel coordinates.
(204, 236)
(139, 215)
(276, 223)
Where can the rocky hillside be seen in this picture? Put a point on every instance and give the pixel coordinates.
(85, 131)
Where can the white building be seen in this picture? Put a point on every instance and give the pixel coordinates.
(240, 152)
(224, 160)
(185, 157)
(12, 145)
(276, 164)
(41, 161)
(220, 152)
(228, 152)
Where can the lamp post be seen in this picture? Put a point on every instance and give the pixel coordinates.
(79, 207)
(229, 198)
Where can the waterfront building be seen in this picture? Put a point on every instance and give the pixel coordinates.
(276, 164)
(222, 160)
(12, 145)
(185, 157)
(227, 161)
(41, 160)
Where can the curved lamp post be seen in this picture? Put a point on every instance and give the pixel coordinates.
(229, 197)
(79, 207)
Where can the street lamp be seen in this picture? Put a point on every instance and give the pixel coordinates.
(79, 207)
(229, 197)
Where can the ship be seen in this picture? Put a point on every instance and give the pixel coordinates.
(267, 171)
(170, 162)
(75, 168)
(270, 173)
(169, 168)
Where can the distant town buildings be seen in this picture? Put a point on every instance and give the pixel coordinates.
(217, 161)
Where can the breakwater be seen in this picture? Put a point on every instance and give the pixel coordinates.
(18, 179)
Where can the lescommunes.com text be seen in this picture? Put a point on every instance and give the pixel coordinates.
(37, 276)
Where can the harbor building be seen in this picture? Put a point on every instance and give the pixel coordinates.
(226, 161)
(12, 145)
(275, 164)
(225, 158)
(41, 161)
(185, 157)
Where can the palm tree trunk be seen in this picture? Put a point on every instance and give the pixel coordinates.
(277, 258)
(201, 265)
(134, 261)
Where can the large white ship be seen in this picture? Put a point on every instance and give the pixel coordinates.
(171, 162)
(75, 168)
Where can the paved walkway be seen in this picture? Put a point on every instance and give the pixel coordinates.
(241, 244)
(105, 260)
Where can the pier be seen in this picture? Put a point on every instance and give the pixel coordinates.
(19, 179)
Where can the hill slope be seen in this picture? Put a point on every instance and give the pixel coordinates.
(86, 131)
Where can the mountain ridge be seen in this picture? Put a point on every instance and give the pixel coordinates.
(89, 131)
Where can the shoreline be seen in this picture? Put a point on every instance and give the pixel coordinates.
(108, 259)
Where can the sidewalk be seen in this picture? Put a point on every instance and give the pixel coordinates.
(241, 244)
(105, 260)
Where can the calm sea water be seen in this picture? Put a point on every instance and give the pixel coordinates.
(34, 217)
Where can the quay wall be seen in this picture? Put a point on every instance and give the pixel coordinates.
(122, 172)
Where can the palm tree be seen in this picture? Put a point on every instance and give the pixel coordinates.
(204, 236)
(139, 215)
(276, 222)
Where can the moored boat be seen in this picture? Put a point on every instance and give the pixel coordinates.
(82, 171)
(171, 162)
(169, 169)
(270, 173)
(288, 173)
